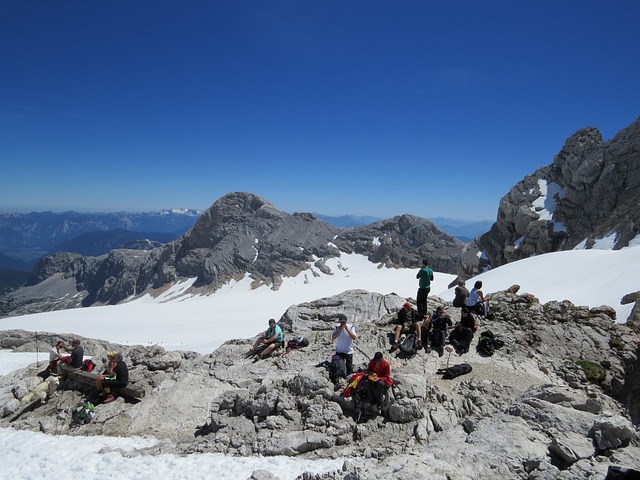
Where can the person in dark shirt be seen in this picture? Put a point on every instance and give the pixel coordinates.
(115, 376)
(74, 362)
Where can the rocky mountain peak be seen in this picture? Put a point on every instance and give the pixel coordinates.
(589, 193)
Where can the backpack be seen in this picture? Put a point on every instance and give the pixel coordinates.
(455, 371)
(337, 368)
(88, 365)
(82, 413)
(485, 345)
(297, 342)
(409, 346)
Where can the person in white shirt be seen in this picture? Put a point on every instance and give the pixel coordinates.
(344, 334)
(477, 302)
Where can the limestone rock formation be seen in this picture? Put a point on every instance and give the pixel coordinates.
(241, 234)
(590, 193)
(558, 401)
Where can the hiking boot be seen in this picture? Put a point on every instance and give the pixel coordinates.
(394, 347)
(420, 344)
(427, 349)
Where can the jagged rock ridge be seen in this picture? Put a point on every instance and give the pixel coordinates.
(590, 192)
(241, 234)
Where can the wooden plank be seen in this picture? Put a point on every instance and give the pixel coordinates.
(89, 378)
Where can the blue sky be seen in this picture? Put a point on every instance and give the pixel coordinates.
(338, 107)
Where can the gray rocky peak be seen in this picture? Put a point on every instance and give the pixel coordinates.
(591, 191)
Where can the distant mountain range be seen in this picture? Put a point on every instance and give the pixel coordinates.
(24, 238)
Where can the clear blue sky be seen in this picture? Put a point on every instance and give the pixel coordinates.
(338, 107)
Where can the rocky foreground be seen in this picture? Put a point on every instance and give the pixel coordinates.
(527, 412)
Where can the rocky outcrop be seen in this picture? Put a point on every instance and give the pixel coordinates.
(590, 193)
(533, 410)
(241, 234)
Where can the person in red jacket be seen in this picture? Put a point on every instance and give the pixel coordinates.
(378, 379)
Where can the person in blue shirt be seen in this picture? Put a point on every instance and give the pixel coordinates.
(272, 338)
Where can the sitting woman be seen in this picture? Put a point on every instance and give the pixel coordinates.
(378, 380)
(477, 302)
(115, 376)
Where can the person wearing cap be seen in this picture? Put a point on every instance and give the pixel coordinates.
(344, 334)
(407, 317)
(272, 338)
(75, 360)
(425, 277)
(378, 379)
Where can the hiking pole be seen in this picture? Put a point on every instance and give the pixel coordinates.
(449, 349)
(37, 351)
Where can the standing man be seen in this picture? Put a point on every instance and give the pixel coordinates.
(425, 277)
(75, 361)
(344, 334)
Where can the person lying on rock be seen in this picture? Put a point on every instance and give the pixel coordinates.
(462, 334)
(378, 380)
(407, 319)
(115, 376)
(271, 339)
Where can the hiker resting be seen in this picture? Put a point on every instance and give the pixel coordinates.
(272, 338)
(477, 302)
(115, 376)
(74, 362)
(406, 319)
(439, 324)
(462, 334)
(378, 380)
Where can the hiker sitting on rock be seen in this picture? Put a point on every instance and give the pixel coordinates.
(462, 335)
(378, 380)
(74, 362)
(54, 356)
(115, 376)
(461, 295)
(407, 319)
(439, 324)
(271, 339)
(477, 302)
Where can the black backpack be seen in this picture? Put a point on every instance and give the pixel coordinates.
(485, 346)
(409, 345)
(337, 368)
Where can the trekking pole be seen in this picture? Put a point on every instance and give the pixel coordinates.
(449, 349)
(37, 351)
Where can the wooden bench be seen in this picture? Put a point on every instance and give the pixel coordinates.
(89, 378)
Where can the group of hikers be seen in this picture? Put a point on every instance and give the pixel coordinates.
(64, 360)
(430, 331)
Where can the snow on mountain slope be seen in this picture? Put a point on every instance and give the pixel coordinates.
(202, 323)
